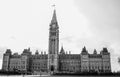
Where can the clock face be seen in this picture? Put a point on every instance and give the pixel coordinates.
(53, 26)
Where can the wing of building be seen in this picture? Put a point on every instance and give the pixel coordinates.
(55, 60)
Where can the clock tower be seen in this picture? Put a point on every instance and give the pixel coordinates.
(53, 44)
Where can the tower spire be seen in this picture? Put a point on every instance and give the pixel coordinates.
(54, 18)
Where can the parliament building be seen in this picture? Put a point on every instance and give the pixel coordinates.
(55, 60)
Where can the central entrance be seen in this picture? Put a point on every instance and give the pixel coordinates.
(52, 68)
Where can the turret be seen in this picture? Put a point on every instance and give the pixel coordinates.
(36, 53)
(6, 60)
(106, 60)
(84, 60)
(104, 51)
(25, 57)
(95, 52)
(62, 50)
(84, 51)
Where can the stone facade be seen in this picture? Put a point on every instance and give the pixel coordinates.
(83, 62)
(56, 61)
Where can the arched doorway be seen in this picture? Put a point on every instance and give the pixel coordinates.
(52, 68)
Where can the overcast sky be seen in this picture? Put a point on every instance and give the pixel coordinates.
(91, 23)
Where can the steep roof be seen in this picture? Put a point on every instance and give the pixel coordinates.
(54, 18)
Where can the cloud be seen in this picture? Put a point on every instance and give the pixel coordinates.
(104, 17)
(2, 50)
(68, 39)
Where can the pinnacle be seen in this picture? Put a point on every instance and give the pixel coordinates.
(54, 18)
